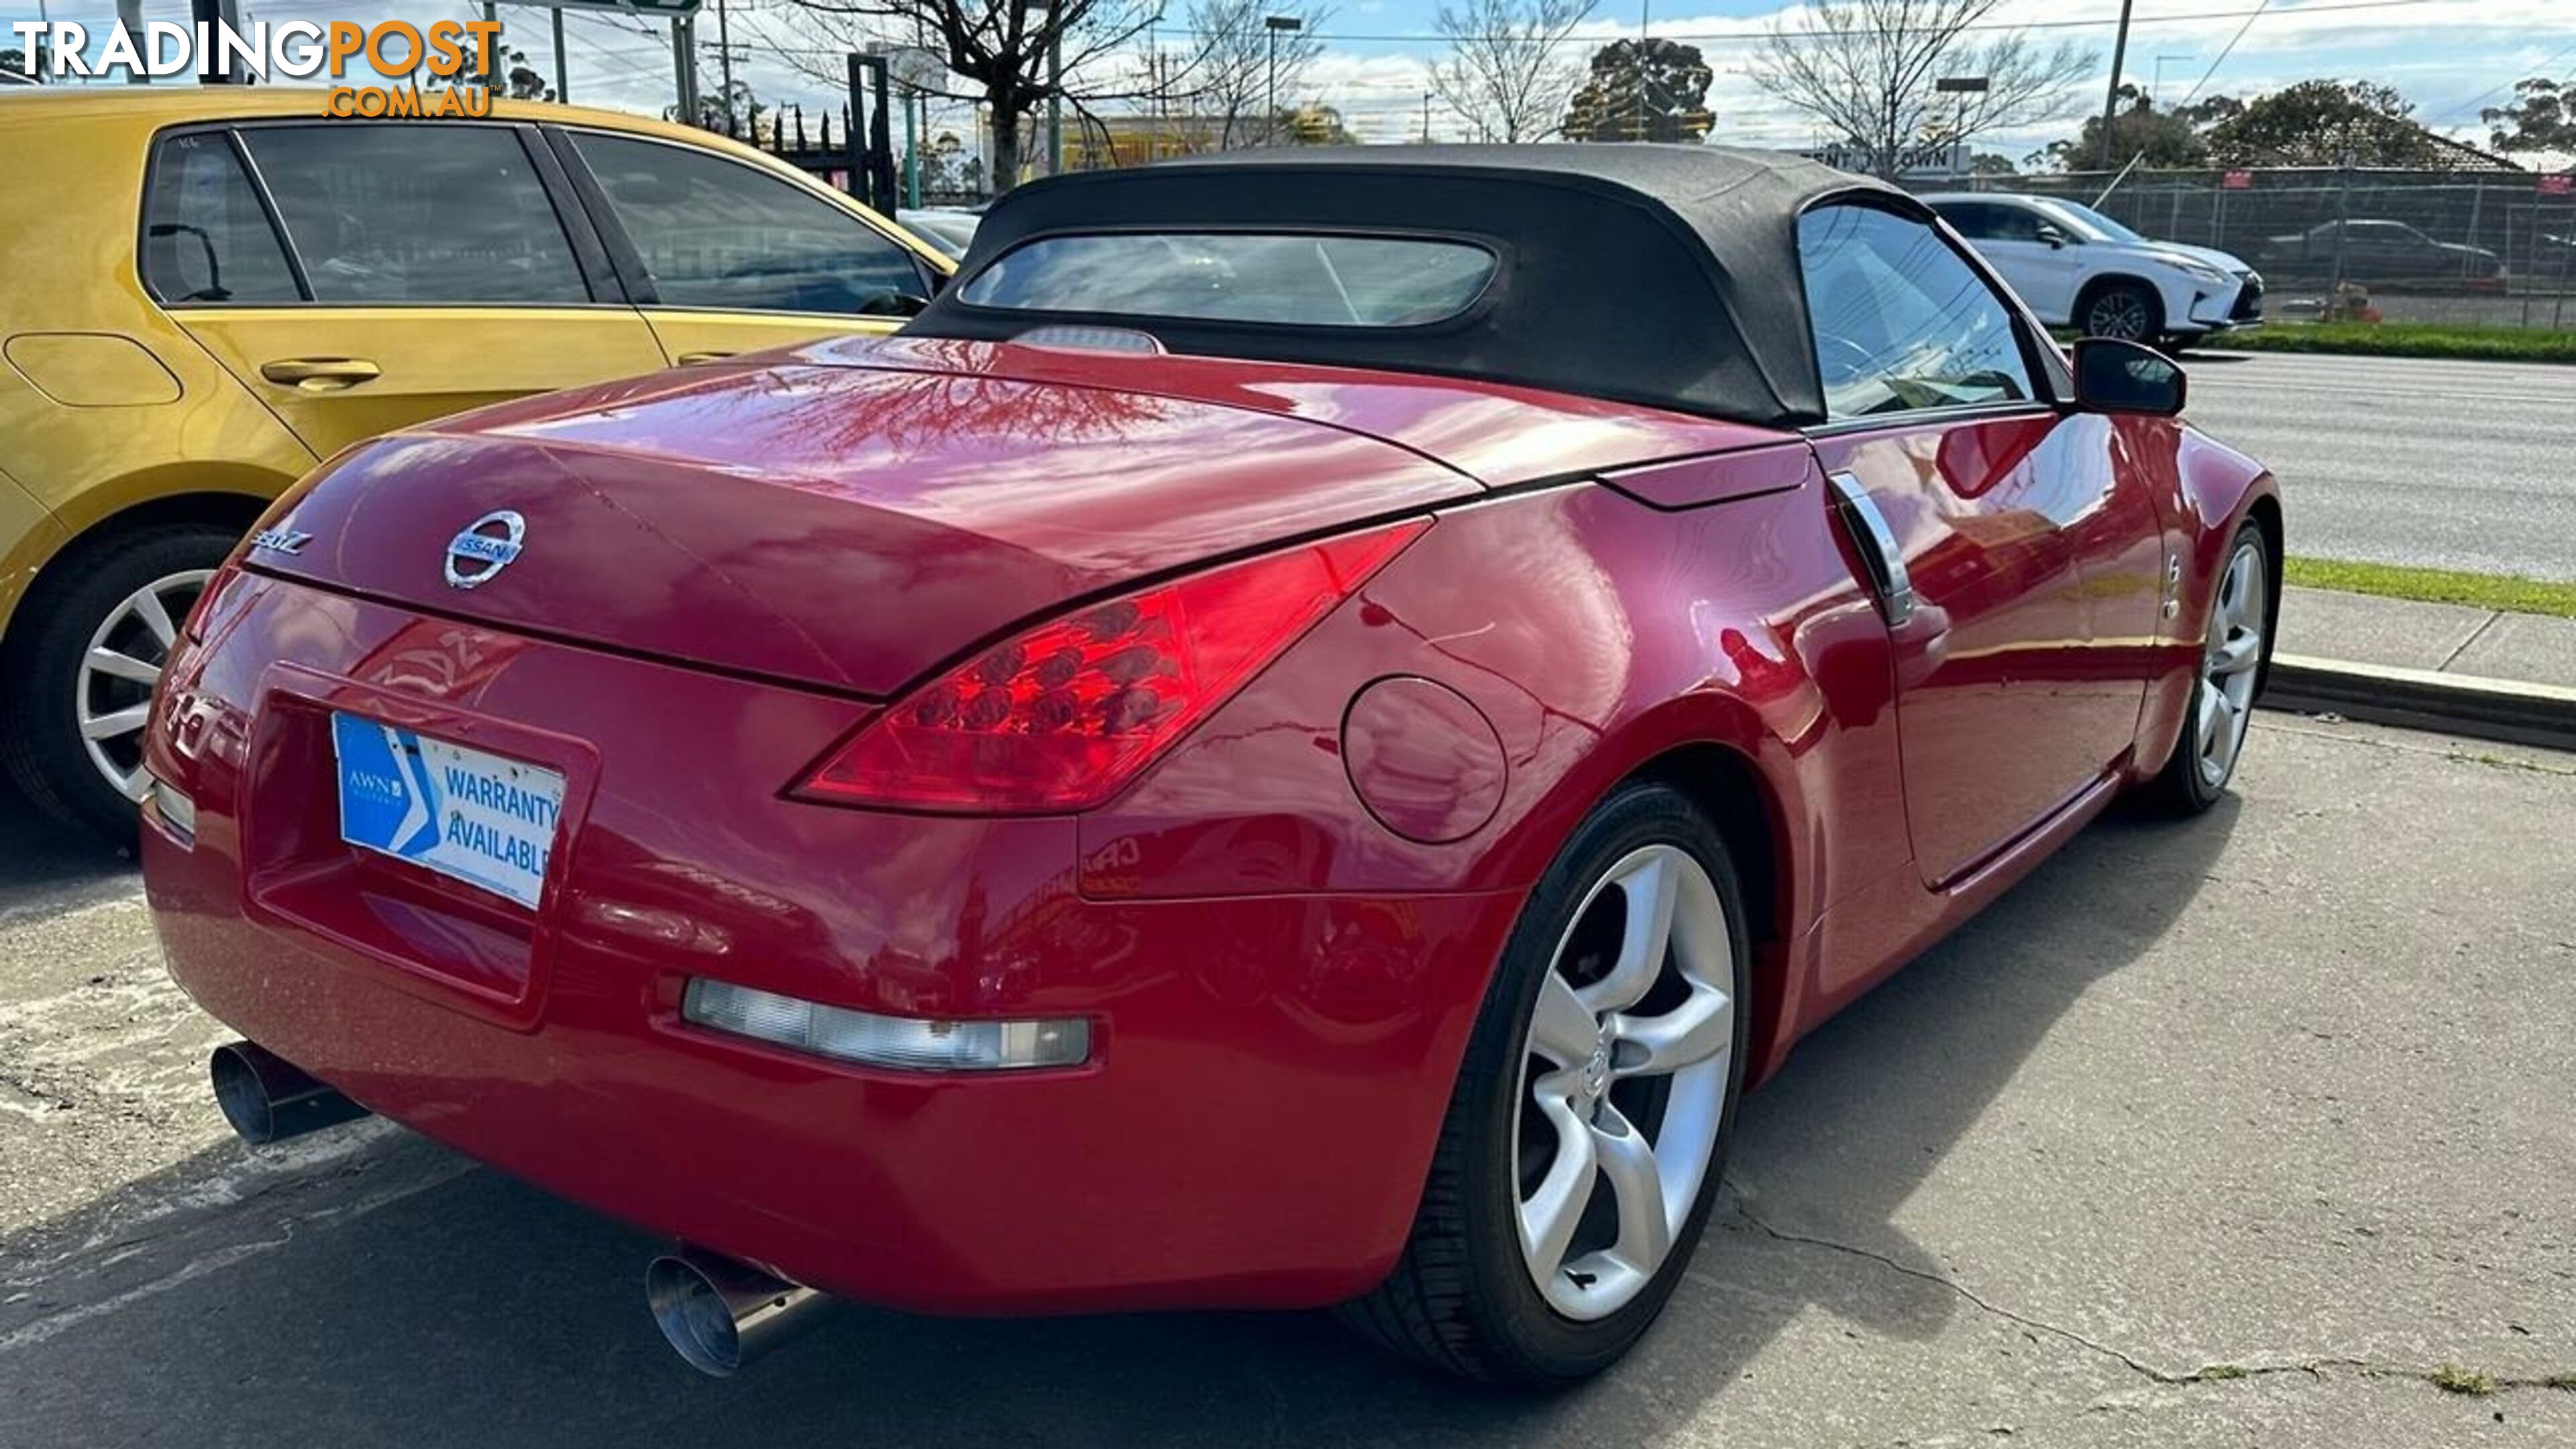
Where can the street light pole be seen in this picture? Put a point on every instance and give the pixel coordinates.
(2160, 75)
(1273, 27)
(1962, 86)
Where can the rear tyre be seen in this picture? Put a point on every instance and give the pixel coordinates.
(1589, 1126)
(2221, 711)
(2129, 311)
(88, 645)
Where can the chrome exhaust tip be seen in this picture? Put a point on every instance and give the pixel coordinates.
(720, 1313)
(269, 1099)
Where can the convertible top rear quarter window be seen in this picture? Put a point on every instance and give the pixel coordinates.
(1660, 276)
(1269, 277)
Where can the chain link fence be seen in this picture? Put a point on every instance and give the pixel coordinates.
(2486, 248)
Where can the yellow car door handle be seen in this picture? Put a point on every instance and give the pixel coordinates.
(691, 359)
(321, 374)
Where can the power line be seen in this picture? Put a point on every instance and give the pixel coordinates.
(2485, 96)
(2226, 51)
(1756, 33)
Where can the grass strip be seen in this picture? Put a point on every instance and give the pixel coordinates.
(2405, 339)
(2435, 586)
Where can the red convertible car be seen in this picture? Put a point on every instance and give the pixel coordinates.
(1296, 738)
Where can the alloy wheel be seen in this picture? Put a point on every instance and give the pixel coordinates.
(1623, 1081)
(2119, 313)
(112, 696)
(2229, 663)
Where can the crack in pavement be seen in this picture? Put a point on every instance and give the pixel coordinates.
(285, 1227)
(66, 1276)
(2220, 1372)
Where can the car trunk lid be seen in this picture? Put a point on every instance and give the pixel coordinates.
(842, 527)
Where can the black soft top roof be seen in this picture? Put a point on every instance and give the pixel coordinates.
(1663, 275)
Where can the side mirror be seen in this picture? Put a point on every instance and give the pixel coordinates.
(2112, 376)
(2054, 235)
(893, 304)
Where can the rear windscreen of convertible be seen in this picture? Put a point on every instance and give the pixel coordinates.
(1313, 281)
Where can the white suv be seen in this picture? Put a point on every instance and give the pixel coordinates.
(2078, 268)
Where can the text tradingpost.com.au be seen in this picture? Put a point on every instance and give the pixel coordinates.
(398, 53)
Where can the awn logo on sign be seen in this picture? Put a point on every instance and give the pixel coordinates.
(459, 53)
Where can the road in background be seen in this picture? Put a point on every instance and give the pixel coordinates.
(2458, 465)
(2225, 1131)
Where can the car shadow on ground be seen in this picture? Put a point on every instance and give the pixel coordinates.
(480, 1311)
(45, 864)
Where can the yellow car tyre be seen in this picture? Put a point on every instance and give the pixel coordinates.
(83, 655)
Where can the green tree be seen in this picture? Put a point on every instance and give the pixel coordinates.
(2325, 123)
(2157, 138)
(1651, 90)
(2540, 117)
(514, 78)
(1315, 124)
(15, 62)
(739, 114)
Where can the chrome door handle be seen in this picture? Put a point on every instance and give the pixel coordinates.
(320, 374)
(692, 359)
(1879, 552)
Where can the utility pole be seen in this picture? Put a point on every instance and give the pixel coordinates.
(563, 77)
(724, 63)
(1645, 27)
(223, 12)
(2111, 100)
(1055, 88)
(492, 76)
(684, 62)
(1426, 118)
(129, 18)
(2343, 224)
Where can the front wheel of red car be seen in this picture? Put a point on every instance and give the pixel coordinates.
(2221, 712)
(1589, 1126)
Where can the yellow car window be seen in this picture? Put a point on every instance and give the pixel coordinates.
(717, 233)
(417, 213)
(205, 238)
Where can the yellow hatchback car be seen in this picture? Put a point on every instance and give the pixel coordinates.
(210, 289)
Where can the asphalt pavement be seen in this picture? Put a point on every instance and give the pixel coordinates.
(2460, 465)
(2234, 1131)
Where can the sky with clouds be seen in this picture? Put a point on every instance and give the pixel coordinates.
(2448, 56)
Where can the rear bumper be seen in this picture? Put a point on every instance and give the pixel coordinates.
(1267, 1076)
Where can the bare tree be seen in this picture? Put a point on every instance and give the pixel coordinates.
(1868, 69)
(1015, 55)
(1507, 74)
(1238, 66)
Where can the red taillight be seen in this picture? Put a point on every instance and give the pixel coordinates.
(1062, 715)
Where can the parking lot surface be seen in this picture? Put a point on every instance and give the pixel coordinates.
(2237, 1131)
(2459, 465)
